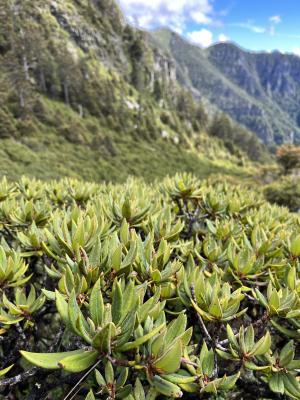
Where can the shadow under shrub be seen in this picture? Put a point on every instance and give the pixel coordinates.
(285, 192)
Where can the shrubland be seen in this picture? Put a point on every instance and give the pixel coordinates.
(285, 192)
(180, 288)
(284, 188)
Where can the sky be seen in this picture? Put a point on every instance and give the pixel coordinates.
(258, 25)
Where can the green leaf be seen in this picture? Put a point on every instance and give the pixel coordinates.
(90, 396)
(49, 360)
(276, 383)
(99, 378)
(5, 370)
(62, 307)
(229, 382)
(73, 312)
(170, 361)
(262, 346)
(291, 386)
(231, 337)
(295, 246)
(117, 302)
(287, 332)
(253, 367)
(249, 338)
(287, 354)
(141, 340)
(176, 328)
(109, 373)
(122, 378)
(102, 340)
(131, 255)
(139, 392)
(96, 305)
(261, 298)
(79, 362)
(224, 355)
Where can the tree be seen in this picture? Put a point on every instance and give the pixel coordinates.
(186, 106)
(288, 157)
(201, 116)
(221, 127)
(157, 90)
(7, 128)
(136, 51)
(17, 45)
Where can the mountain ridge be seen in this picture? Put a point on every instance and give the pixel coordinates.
(237, 82)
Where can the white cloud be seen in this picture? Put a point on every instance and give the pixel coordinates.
(296, 50)
(272, 30)
(203, 38)
(175, 14)
(275, 19)
(201, 18)
(250, 26)
(223, 38)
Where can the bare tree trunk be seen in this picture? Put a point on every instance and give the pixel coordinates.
(66, 93)
(80, 108)
(43, 81)
(26, 67)
(21, 99)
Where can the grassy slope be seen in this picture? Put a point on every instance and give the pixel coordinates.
(45, 153)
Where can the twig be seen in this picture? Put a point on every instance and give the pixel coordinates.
(80, 380)
(19, 378)
(188, 362)
(202, 324)
(250, 298)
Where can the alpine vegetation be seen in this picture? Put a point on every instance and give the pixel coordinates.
(183, 289)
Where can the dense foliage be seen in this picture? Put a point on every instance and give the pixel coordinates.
(288, 156)
(141, 292)
(284, 192)
(236, 137)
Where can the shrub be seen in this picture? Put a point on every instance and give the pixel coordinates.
(180, 289)
(7, 127)
(289, 157)
(285, 192)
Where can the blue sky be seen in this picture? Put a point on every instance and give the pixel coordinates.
(255, 25)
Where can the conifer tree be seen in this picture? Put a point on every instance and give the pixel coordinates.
(18, 45)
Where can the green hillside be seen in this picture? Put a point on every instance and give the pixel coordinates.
(82, 147)
(85, 95)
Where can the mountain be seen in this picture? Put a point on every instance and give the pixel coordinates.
(83, 94)
(261, 91)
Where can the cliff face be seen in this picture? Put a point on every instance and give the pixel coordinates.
(271, 79)
(106, 34)
(259, 90)
(164, 68)
(62, 38)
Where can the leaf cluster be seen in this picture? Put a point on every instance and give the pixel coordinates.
(179, 289)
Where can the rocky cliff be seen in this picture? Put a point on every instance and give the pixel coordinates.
(259, 90)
